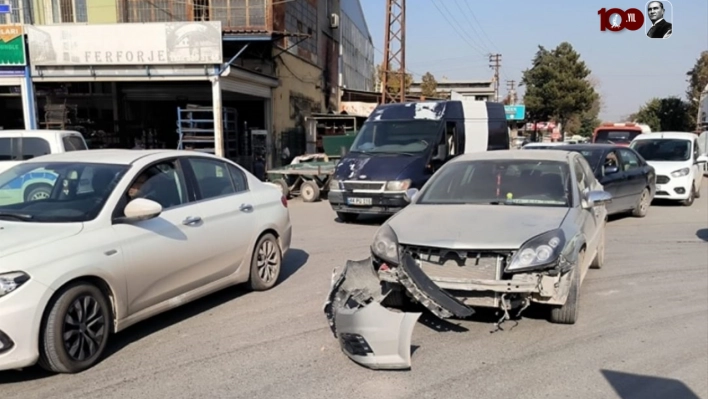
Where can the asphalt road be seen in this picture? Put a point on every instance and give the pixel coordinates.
(643, 332)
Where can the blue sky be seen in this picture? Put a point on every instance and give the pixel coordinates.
(629, 67)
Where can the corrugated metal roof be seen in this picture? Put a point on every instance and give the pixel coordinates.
(353, 10)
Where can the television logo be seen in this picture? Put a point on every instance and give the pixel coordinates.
(617, 20)
(659, 14)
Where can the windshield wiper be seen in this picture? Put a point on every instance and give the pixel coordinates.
(18, 216)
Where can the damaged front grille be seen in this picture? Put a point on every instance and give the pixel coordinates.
(458, 266)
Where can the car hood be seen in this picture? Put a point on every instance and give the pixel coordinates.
(666, 167)
(376, 167)
(474, 226)
(24, 236)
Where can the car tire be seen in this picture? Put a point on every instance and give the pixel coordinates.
(691, 197)
(599, 260)
(568, 313)
(642, 207)
(345, 217)
(266, 263)
(309, 191)
(38, 192)
(75, 329)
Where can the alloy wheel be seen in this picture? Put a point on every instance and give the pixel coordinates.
(84, 328)
(267, 261)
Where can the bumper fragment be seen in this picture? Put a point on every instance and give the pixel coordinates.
(368, 333)
(429, 294)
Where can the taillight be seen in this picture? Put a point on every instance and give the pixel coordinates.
(284, 201)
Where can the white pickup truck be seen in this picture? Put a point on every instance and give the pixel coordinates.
(20, 145)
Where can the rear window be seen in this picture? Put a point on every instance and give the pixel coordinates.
(73, 143)
(616, 136)
(23, 148)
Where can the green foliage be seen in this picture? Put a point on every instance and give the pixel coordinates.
(394, 80)
(428, 85)
(665, 114)
(557, 86)
(697, 81)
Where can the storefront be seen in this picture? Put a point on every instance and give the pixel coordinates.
(15, 91)
(152, 85)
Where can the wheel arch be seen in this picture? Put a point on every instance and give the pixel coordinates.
(96, 281)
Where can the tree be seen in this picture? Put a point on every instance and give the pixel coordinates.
(584, 124)
(394, 81)
(697, 82)
(428, 85)
(665, 114)
(557, 85)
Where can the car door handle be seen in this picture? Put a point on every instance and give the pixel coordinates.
(246, 208)
(191, 220)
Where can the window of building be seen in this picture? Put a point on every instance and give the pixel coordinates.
(66, 11)
(21, 12)
(301, 17)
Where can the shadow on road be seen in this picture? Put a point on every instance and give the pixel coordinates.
(702, 234)
(366, 220)
(293, 261)
(634, 386)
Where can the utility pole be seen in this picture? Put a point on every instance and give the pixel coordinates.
(495, 64)
(510, 85)
(394, 62)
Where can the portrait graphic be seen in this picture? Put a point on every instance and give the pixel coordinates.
(659, 14)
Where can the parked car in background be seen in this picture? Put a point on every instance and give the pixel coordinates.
(20, 145)
(498, 229)
(623, 173)
(153, 230)
(676, 158)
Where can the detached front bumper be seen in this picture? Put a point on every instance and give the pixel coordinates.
(369, 203)
(368, 333)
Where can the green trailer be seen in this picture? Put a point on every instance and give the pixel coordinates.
(309, 175)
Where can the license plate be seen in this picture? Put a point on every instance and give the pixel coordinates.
(659, 187)
(359, 201)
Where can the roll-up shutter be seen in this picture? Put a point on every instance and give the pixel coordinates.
(244, 87)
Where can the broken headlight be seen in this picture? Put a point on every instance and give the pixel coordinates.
(539, 252)
(385, 244)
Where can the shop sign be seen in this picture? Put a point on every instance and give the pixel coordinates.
(12, 46)
(172, 43)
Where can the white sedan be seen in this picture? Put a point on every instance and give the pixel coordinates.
(123, 236)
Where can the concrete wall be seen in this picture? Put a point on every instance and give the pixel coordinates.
(102, 11)
(299, 95)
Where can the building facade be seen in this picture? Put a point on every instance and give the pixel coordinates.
(118, 65)
(357, 49)
(479, 90)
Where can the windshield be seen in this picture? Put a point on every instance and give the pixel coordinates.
(387, 136)
(500, 182)
(592, 156)
(56, 192)
(663, 149)
(616, 136)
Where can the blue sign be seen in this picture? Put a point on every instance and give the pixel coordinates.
(5, 9)
(515, 112)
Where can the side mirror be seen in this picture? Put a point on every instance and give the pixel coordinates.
(411, 193)
(140, 209)
(441, 154)
(597, 198)
(611, 170)
(702, 159)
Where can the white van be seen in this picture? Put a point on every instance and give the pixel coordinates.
(20, 145)
(678, 163)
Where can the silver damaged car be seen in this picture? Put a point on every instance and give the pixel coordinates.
(498, 229)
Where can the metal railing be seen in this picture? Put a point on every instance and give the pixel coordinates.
(237, 16)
